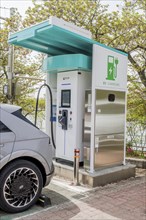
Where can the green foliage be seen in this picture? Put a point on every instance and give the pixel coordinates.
(90, 15)
(134, 153)
(124, 30)
(136, 101)
(25, 65)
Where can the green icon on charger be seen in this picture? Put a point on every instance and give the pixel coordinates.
(112, 68)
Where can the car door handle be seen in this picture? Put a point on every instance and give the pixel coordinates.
(1, 145)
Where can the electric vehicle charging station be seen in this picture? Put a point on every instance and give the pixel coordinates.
(71, 84)
(89, 83)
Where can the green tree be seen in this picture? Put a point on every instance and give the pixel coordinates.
(124, 30)
(25, 65)
(127, 32)
(136, 114)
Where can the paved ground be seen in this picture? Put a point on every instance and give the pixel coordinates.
(124, 200)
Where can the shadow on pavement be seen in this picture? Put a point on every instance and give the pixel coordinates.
(56, 200)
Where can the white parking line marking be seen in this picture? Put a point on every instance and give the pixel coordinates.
(34, 213)
(67, 185)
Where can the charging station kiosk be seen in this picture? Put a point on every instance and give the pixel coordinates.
(73, 77)
(71, 88)
(89, 83)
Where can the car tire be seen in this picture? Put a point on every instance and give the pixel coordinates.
(21, 184)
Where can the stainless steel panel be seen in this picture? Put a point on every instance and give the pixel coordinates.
(108, 150)
(110, 115)
(109, 128)
(87, 129)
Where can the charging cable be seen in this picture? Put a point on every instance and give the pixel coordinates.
(51, 110)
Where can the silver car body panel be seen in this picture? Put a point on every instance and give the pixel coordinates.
(9, 108)
(22, 129)
(6, 145)
(25, 153)
(24, 140)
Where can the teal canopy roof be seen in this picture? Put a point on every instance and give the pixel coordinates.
(67, 62)
(53, 40)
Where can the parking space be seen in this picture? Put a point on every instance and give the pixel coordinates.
(125, 200)
(60, 192)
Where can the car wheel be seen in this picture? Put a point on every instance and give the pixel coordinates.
(21, 183)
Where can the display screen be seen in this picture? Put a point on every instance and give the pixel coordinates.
(65, 98)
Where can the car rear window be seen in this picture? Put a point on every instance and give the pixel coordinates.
(19, 114)
(4, 128)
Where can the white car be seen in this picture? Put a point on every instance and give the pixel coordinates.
(25, 160)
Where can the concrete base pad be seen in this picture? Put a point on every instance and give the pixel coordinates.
(99, 177)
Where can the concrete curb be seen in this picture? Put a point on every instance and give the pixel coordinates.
(140, 163)
(99, 178)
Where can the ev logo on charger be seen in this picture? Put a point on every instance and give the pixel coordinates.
(112, 63)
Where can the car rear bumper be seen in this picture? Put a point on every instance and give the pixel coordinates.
(49, 177)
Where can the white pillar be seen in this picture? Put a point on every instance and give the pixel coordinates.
(92, 138)
(125, 129)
